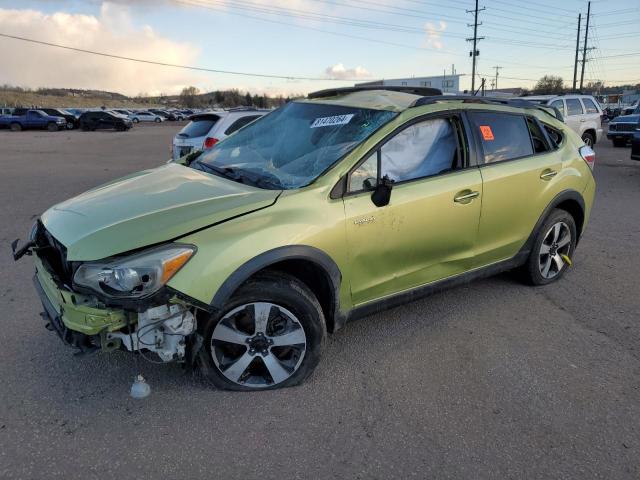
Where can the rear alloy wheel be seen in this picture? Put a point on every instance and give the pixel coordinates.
(52, 127)
(16, 127)
(135, 120)
(553, 246)
(270, 336)
(588, 139)
(157, 120)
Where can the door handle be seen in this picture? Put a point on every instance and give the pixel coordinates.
(582, 120)
(465, 196)
(548, 174)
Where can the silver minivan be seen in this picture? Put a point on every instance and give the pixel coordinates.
(581, 113)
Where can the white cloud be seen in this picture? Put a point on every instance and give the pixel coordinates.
(31, 65)
(434, 34)
(340, 71)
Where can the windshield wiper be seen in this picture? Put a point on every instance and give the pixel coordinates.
(242, 176)
(222, 172)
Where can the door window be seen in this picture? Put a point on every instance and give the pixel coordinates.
(559, 104)
(589, 106)
(504, 136)
(574, 107)
(422, 150)
(241, 122)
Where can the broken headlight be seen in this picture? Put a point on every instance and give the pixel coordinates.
(135, 276)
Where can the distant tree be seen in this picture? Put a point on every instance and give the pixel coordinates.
(248, 101)
(595, 87)
(549, 84)
(188, 96)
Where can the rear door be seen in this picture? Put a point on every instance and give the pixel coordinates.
(519, 174)
(575, 115)
(428, 229)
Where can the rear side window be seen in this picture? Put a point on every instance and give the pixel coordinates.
(559, 104)
(241, 122)
(504, 136)
(198, 127)
(589, 106)
(574, 107)
(538, 139)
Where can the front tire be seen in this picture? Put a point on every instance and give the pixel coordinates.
(555, 239)
(588, 139)
(270, 334)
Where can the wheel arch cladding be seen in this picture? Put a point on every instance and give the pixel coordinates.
(310, 265)
(576, 210)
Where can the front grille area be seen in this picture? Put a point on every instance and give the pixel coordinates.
(53, 254)
(623, 127)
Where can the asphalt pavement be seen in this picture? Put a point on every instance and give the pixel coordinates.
(490, 380)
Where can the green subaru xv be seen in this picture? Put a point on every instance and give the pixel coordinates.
(239, 260)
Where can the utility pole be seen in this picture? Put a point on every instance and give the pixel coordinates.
(475, 41)
(575, 65)
(495, 83)
(584, 47)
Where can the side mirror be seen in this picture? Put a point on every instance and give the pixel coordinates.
(382, 193)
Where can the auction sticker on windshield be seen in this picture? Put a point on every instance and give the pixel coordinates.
(331, 121)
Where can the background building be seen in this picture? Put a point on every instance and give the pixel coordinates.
(448, 83)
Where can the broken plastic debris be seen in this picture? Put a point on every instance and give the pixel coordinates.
(140, 388)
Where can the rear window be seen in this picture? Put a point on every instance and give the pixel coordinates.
(574, 107)
(198, 127)
(504, 136)
(590, 106)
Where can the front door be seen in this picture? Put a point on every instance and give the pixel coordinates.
(428, 229)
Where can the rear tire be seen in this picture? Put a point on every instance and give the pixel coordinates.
(52, 127)
(135, 120)
(15, 127)
(157, 120)
(619, 143)
(588, 139)
(294, 331)
(556, 237)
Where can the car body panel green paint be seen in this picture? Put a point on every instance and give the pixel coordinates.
(141, 210)
(422, 235)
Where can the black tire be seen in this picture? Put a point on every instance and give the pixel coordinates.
(135, 120)
(588, 139)
(531, 272)
(285, 291)
(52, 127)
(157, 120)
(15, 127)
(619, 143)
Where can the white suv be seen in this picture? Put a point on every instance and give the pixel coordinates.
(206, 129)
(581, 113)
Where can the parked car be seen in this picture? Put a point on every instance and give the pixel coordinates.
(635, 144)
(622, 128)
(122, 111)
(582, 113)
(33, 119)
(104, 120)
(72, 121)
(327, 209)
(629, 110)
(204, 130)
(6, 111)
(143, 116)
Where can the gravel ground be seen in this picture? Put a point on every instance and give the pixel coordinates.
(490, 380)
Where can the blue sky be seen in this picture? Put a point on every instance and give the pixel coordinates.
(397, 38)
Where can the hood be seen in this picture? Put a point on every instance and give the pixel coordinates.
(626, 119)
(146, 208)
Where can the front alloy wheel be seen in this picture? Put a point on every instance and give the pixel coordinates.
(269, 335)
(258, 344)
(555, 245)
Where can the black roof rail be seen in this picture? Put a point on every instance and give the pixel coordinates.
(508, 102)
(332, 92)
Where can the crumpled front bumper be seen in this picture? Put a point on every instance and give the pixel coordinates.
(70, 312)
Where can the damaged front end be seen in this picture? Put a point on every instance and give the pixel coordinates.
(119, 303)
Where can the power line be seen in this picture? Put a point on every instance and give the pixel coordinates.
(173, 65)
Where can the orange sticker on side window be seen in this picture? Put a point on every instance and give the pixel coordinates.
(487, 134)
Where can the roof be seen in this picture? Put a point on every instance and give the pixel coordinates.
(373, 99)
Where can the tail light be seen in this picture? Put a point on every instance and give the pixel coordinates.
(588, 155)
(209, 142)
